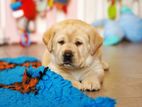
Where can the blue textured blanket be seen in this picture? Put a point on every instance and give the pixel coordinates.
(53, 90)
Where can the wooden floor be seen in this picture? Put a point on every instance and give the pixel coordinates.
(124, 80)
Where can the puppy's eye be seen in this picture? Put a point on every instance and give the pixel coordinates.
(61, 42)
(78, 43)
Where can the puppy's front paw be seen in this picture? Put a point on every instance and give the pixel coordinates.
(90, 85)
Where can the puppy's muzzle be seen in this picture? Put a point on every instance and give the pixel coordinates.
(67, 57)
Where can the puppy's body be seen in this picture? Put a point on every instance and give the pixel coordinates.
(74, 48)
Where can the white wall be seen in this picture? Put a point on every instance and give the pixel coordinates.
(90, 10)
(2, 20)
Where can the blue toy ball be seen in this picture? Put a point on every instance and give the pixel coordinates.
(131, 24)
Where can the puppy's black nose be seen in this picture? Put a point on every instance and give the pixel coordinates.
(68, 54)
(67, 57)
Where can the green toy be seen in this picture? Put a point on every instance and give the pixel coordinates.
(112, 10)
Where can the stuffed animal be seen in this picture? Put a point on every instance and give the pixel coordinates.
(25, 14)
(28, 11)
(113, 33)
(29, 8)
(131, 25)
(128, 26)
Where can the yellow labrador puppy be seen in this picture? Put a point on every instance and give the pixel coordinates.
(74, 51)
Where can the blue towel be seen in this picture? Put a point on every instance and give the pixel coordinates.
(53, 90)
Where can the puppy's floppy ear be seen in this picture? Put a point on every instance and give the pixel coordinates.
(96, 41)
(48, 38)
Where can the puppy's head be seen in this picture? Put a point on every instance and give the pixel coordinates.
(72, 43)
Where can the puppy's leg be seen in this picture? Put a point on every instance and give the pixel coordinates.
(94, 77)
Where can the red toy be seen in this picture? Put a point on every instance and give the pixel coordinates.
(29, 8)
(24, 10)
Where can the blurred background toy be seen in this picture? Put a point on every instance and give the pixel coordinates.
(26, 11)
(61, 5)
(29, 8)
(112, 32)
(131, 25)
(127, 25)
(112, 10)
(25, 17)
(25, 40)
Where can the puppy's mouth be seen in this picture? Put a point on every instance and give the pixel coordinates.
(67, 64)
